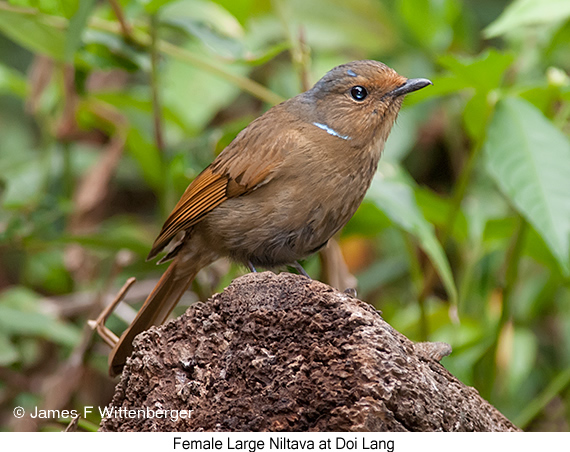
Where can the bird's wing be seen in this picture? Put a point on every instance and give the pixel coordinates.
(248, 162)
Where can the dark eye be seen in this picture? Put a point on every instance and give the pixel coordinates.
(358, 93)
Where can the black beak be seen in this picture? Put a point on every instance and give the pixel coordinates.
(411, 85)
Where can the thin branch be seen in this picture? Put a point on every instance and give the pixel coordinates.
(209, 65)
(304, 63)
(125, 27)
(143, 39)
(300, 55)
(99, 324)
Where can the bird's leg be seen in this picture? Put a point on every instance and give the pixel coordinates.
(300, 269)
(251, 267)
(351, 292)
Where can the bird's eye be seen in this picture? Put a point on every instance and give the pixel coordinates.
(358, 93)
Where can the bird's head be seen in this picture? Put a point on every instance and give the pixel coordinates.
(359, 101)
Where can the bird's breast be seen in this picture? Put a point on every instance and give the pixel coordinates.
(303, 205)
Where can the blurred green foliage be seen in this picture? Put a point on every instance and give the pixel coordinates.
(109, 108)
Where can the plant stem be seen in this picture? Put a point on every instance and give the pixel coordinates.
(536, 405)
(67, 170)
(458, 195)
(125, 28)
(154, 85)
(512, 263)
(298, 47)
(417, 278)
(209, 65)
(511, 270)
(142, 38)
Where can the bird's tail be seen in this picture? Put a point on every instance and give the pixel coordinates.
(158, 305)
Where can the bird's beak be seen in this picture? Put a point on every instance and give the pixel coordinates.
(411, 85)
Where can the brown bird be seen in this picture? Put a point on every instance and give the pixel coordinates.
(286, 184)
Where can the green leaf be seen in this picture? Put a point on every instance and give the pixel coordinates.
(476, 115)
(32, 32)
(244, 9)
(522, 358)
(435, 210)
(484, 72)
(77, 24)
(529, 159)
(110, 240)
(536, 248)
(403, 136)
(392, 192)
(430, 21)
(153, 6)
(23, 171)
(555, 387)
(195, 94)
(46, 271)
(210, 23)
(214, 40)
(8, 352)
(483, 204)
(147, 156)
(332, 25)
(12, 82)
(55, 7)
(21, 315)
(382, 272)
(442, 86)
(464, 358)
(528, 12)
(104, 50)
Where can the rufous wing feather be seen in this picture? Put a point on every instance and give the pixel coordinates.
(206, 192)
(239, 169)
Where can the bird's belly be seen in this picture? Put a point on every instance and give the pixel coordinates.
(270, 227)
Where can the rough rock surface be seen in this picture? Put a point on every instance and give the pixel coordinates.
(285, 353)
